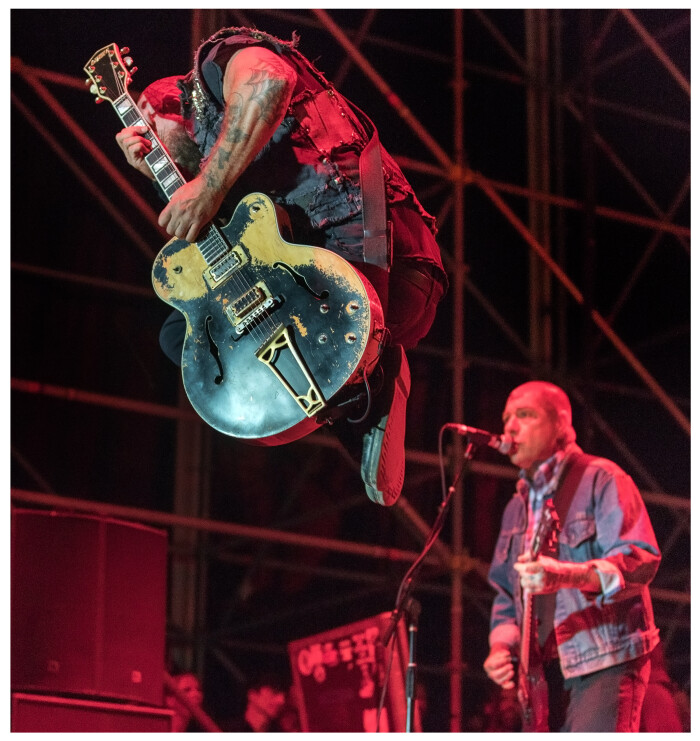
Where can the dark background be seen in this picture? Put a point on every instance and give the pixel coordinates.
(88, 333)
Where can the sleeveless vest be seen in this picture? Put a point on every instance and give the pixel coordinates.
(311, 165)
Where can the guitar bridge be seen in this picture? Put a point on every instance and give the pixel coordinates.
(282, 357)
(251, 307)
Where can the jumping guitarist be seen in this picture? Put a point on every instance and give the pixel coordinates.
(255, 116)
(573, 631)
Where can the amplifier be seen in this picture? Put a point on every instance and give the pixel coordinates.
(88, 607)
(46, 714)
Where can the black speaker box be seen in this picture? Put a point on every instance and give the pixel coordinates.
(45, 714)
(88, 606)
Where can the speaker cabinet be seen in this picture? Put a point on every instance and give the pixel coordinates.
(45, 714)
(88, 606)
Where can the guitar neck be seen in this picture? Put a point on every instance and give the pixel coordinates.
(158, 160)
(212, 244)
(526, 633)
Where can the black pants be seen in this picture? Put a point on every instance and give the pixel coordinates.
(609, 700)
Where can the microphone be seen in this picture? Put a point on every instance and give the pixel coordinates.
(502, 443)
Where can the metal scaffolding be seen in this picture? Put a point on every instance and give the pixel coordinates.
(532, 212)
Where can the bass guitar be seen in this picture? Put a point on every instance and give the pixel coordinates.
(532, 685)
(275, 331)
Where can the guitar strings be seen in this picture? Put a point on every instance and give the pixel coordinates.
(213, 238)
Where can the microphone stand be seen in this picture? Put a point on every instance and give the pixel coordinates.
(412, 609)
(406, 607)
(406, 604)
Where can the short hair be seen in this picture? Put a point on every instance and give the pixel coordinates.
(270, 679)
(555, 401)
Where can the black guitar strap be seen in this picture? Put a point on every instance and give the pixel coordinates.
(563, 496)
(327, 107)
(376, 242)
(377, 230)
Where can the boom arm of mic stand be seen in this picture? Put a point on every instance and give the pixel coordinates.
(468, 455)
(407, 604)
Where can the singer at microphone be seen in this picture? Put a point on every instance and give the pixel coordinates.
(502, 443)
(592, 583)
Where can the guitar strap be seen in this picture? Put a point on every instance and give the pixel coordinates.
(541, 642)
(563, 496)
(377, 230)
(376, 241)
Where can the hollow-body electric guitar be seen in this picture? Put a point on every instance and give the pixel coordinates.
(275, 330)
(532, 685)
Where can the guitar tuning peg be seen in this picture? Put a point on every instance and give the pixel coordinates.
(128, 61)
(124, 50)
(88, 82)
(99, 100)
(134, 70)
(93, 89)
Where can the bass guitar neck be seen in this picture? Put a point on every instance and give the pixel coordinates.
(533, 694)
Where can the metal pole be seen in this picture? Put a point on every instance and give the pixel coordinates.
(381, 85)
(456, 608)
(94, 151)
(250, 532)
(660, 54)
(538, 147)
(588, 244)
(89, 184)
(597, 318)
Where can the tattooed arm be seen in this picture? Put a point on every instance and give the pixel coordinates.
(258, 86)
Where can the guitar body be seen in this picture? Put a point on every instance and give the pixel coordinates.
(274, 330)
(533, 695)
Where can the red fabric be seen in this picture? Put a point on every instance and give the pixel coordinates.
(164, 95)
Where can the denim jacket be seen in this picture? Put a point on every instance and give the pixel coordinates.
(606, 524)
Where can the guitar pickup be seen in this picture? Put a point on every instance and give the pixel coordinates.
(230, 262)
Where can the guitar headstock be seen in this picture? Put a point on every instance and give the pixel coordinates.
(108, 71)
(546, 536)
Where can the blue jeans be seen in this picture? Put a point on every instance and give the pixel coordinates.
(609, 700)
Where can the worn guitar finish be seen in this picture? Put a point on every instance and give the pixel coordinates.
(533, 695)
(275, 330)
(278, 336)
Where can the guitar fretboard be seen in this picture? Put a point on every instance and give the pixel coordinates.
(212, 245)
(526, 631)
(158, 160)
